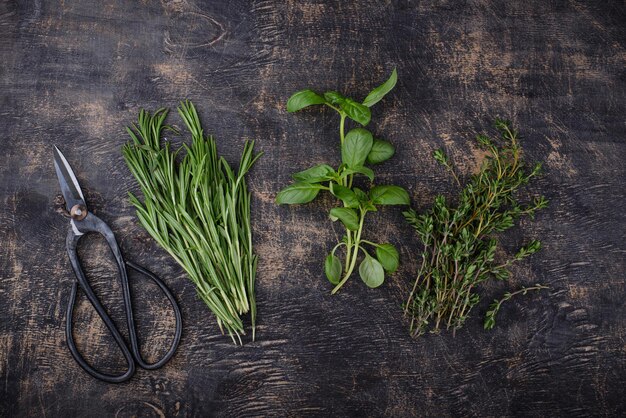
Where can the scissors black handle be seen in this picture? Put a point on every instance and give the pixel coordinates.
(92, 223)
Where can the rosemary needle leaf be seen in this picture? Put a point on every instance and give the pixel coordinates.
(198, 209)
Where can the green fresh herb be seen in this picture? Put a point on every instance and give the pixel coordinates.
(381, 151)
(388, 257)
(371, 272)
(379, 92)
(198, 209)
(358, 147)
(490, 316)
(459, 247)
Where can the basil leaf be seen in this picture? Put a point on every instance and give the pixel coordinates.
(388, 257)
(315, 174)
(379, 92)
(332, 268)
(369, 206)
(371, 272)
(356, 146)
(356, 111)
(389, 195)
(361, 195)
(302, 99)
(346, 195)
(347, 216)
(381, 151)
(360, 170)
(334, 98)
(298, 193)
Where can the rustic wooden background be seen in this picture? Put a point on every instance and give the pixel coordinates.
(75, 73)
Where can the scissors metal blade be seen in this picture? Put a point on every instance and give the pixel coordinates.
(70, 188)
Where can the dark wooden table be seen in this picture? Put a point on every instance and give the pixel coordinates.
(75, 73)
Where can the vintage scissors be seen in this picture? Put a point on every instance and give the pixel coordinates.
(82, 222)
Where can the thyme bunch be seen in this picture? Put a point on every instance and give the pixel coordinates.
(459, 244)
(198, 209)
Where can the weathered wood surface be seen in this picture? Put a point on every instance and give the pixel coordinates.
(75, 73)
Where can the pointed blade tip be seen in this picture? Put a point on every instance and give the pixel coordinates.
(70, 188)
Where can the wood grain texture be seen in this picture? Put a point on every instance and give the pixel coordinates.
(75, 73)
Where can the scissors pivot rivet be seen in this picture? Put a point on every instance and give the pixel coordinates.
(78, 212)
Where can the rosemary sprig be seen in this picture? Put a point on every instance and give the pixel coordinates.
(198, 210)
(459, 247)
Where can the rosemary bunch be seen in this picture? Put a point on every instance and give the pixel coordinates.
(198, 209)
(459, 246)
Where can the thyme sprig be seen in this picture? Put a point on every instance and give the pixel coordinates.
(459, 244)
(198, 209)
(494, 308)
